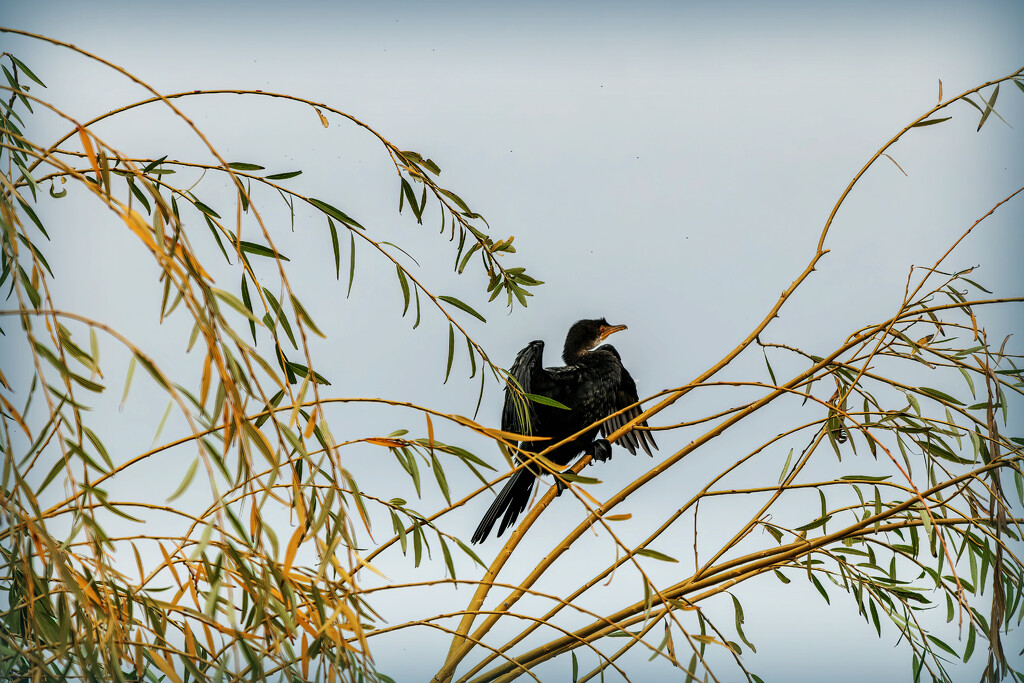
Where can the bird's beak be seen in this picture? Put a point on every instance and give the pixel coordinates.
(608, 330)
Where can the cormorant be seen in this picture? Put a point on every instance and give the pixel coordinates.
(593, 384)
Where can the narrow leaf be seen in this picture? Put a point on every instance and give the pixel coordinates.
(459, 304)
(335, 213)
(935, 393)
(654, 554)
(930, 122)
(283, 176)
(186, 481)
(260, 250)
(451, 352)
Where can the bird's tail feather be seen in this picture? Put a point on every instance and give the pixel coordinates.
(511, 501)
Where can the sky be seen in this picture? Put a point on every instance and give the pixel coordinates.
(664, 165)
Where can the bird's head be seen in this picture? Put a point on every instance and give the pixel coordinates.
(584, 335)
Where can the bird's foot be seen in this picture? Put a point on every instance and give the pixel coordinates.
(559, 487)
(602, 450)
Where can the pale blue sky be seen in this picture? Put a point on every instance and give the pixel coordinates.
(668, 166)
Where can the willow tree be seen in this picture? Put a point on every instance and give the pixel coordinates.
(915, 513)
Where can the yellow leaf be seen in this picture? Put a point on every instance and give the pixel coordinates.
(364, 563)
(390, 443)
(430, 432)
(204, 383)
(209, 637)
(164, 666)
(140, 662)
(293, 547)
(311, 424)
(496, 433)
(17, 417)
(323, 119)
(170, 565)
(87, 589)
(139, 227)
(305, 657)
(89, 152)
(254, 521)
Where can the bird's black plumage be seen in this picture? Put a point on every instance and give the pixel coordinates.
(593, 384)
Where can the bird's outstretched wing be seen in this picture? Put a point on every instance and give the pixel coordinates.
(519, 414)
(625, 395)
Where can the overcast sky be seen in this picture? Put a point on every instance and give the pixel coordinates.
(665, 165)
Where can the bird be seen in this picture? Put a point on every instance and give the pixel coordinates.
(592, 384)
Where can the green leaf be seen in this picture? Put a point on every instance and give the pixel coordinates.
(771, 373)
(935, 393)
(941, 644)
(821, 521)
(302, 371)
(404, 282)
(186, 481)
(930, 122)
(205, 209)
(351, 263)
(279, 314)
(969, 648)
(259, 250)
(151, 369)
(248, 305)
(939, 452)
(821, 589)
(575, 668)
(455, 198)
(739, 622)
(469, 551)
(447, 557)
(242, 166)
(85, 457)
(785, 468)
(139, 194)
(232, 301)
(431, 166)
(151, 166)
(283, 176)
(28, 72)
(216, 236)
(32, 214)
(408, 193)
(544, 400)
(337, 249)
(32, 185)
(335, 213)
(451, 352)
(913, 402)
(864, 477)
(301, 312)
(975, 284)
(442, 481)
(459, 304)
(577, 478)
(654, 554)
(988, 106)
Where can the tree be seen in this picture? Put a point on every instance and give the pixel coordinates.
(233, 593)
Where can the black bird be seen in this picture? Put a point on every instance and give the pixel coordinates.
(593, 385)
